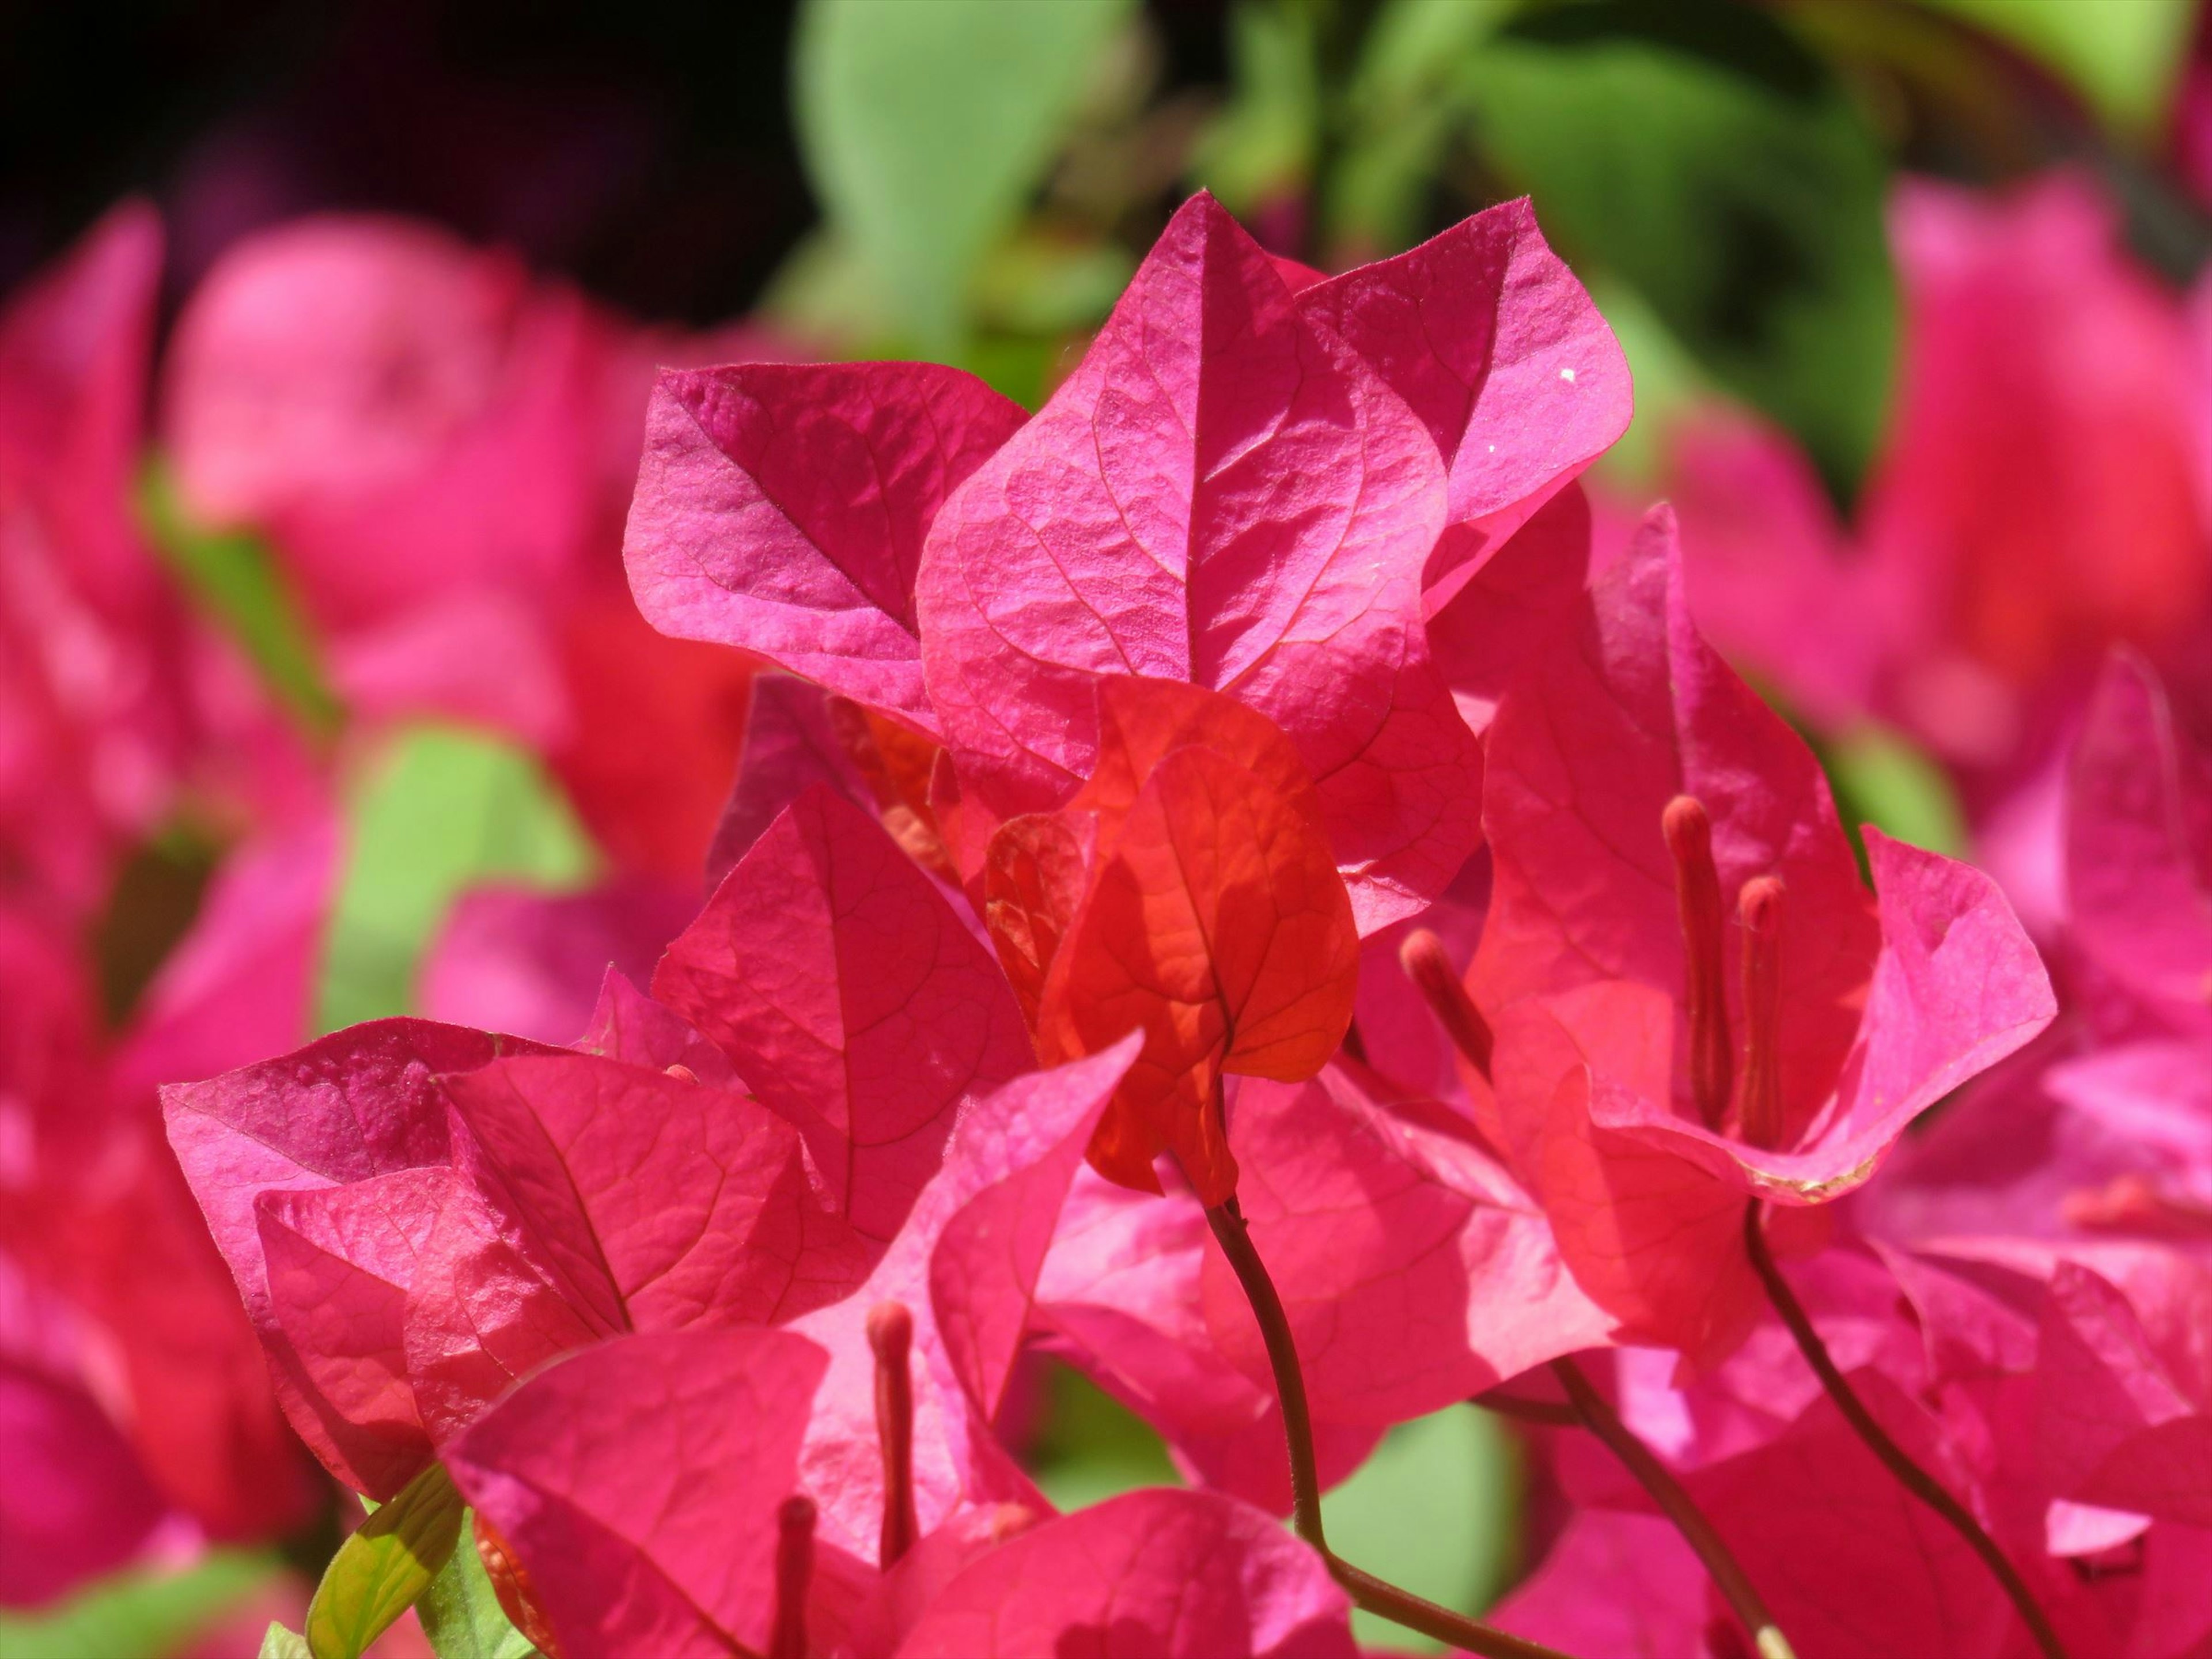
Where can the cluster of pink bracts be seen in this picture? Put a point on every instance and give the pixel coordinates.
(1242, 885)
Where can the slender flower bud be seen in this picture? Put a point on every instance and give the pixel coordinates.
(890, 1335)
(1689, 835)
(1759, 909)
(681, 1073)
(794, 1576)
(1426, 963)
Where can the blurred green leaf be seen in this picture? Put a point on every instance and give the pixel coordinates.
(927, 123)
(279, 1642)
(1882, 779)
(1261, 146)
(461, 1614)
(1702, 155)
(384, 1566)
(1669, 384)
(231, 576)
(440, 809)
(136, 1613)
(1405, 99)
(1435, 1510)
(2124, 57)
(1092, 1447)
(1042, 284)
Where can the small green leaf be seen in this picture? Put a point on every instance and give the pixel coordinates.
(2124, 57)
(1705, 156)
(927, 123)
(439, 809)
(1260, 147)
(1882, 779)
(461, 1614)
(278, 1643)
(380, 1570)
(231, 576)
(136, 1611)
(1439, 1503)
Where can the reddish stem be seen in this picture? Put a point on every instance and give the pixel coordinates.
(1910, 1475)
(1597, 1414)
(1366, 1590)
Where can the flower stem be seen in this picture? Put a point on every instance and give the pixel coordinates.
(1366, 1590)
(1598, 1415)
(1910, 1475)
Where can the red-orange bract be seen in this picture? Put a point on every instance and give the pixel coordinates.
(1188, 892)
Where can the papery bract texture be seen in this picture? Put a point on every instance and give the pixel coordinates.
(1877, 1006)
(640, 1481)
(1213, 919)
(1221, 493)
(1182, 1574)
(853, 998)
(783, 508)
(1490, 341)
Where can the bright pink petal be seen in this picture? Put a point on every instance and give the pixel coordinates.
(993, 1206)
(1489, 338)
(2139, 846)
(518, 959)
(1625, 1585)
(1416, 1274)
(1223, 494)
(2125, 1391)
(340, 1261)
(1510, 611)
(638, 1481)
(659, 1202)
(782, 509)
(789, 745)
(1175, 1574)
(852, 999)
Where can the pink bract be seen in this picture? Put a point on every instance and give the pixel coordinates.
(1886, 1002)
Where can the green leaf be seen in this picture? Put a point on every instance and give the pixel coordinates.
(461, 1614)
(1707, 159)
(381, 1569)
(2124, 57)
(1882, 779)
(278, 1643)
(138, 1611)
(926, 124)
(1262, 147)
(231, 576)
(440, 809)
(1435, 1510)
(1092, 1447)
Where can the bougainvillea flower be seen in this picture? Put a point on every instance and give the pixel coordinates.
(1414, 1272)
(782, 509)
(1494, 344)
(797, 734)
(642, 1567)
(1184, 1575)
(852, 998)
(1222, 493)
(93, 699)
(1188, 892)
(2139, 848)
(2124, 1389)
(95, 1219)
(439, 449)
(1638, 795)
(2042, 493)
